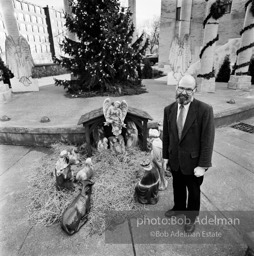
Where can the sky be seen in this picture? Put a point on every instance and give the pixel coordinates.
(146, 10)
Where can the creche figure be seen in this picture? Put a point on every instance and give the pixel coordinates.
(115, 113)
(146, 190)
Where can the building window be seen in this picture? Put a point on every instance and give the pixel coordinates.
(38, 9)
(35, 28)
(27, 18)
(21, 16)
(178, 13)
(24, 7)
(29, 28)
(22, 27)
(34, 20)
(39, 20)
(41, 30)
(18, 5)
(228, 5)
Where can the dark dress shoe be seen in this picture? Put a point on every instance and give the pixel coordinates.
(173, 213)
(189, 228)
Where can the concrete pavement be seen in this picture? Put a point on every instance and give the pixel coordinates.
(227, 190)
(26, 110)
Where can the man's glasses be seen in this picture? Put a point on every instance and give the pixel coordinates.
(189, 91)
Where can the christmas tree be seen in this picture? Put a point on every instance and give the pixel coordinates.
(104, 57)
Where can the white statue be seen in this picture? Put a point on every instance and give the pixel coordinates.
(87, 172)
(102, 144)
(116, 144)
(19, 59)
(115, 113)
(131, 135)
(156, 154)
(179, 58)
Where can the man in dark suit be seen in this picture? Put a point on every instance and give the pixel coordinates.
(188, 138)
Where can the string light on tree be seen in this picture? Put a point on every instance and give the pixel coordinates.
(100, 26)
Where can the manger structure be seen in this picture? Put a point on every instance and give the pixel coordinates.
(94, 119)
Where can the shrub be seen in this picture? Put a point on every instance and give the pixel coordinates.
(251, 69)
(147, 71)
(6, 73)
(44, 70)
(224, 72)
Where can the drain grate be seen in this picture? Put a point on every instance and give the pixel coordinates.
(244, 127)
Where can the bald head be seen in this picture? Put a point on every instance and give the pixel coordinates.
(185, 89)
(187, 81)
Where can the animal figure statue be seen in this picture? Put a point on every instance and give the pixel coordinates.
(115, 113)
(156, 155)
(87, 172)
(72, 155)
(116, 144)
(63, 173)
(146, 190)
(131, 135)
(76, 214)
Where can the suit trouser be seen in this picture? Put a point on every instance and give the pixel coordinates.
(183, 202)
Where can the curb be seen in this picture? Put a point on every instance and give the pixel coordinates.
(44, 137)
(232, 116)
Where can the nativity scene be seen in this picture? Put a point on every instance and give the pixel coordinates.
(123, 169)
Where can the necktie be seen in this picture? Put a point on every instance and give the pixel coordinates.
(180, 121)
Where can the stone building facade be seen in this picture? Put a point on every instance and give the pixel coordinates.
(42, 27)
(229, 27)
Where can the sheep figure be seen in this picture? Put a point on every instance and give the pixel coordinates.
(87, 172)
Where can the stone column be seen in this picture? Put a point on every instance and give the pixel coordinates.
(18, 54)
(167, 29)
(132, 6)
(241, 79)
(210, 33)
(184, 27)
(67, 9)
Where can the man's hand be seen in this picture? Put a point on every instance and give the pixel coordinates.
(199, 171)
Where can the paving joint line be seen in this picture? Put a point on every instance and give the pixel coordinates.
(132, 239)
(233, 161)
(21, 246)
(231, 135)
(221, 212)
(30, 149)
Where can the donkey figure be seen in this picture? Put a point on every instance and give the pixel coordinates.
(76, 214)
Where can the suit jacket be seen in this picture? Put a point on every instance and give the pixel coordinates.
(196, 144)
